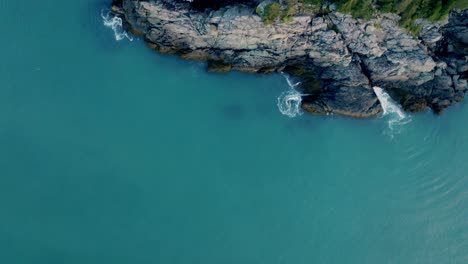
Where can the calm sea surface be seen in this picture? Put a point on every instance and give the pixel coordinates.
(112, 153)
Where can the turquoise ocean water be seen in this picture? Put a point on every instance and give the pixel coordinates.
(112, 153)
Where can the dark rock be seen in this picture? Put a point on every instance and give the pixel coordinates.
(337, 57)
(346, 91)
(357, 101)
(218, 66)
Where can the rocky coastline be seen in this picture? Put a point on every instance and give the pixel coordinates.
(337, 58)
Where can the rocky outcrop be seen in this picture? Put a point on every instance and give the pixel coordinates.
(345, 56)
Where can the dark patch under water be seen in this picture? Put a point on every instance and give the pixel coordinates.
(233, 111)
(114, 154)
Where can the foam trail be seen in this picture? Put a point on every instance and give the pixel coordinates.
(115, 23)
(289, 102)
(391, 109)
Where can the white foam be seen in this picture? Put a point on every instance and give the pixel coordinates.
(115, 23)
(391, 109)
(289, 102)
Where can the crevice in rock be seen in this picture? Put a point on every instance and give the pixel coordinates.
(364, 70)
(336, 71)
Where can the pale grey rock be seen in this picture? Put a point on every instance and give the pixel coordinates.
(430, 32)
(348, 56)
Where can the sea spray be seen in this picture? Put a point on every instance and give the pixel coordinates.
(289, 102)
(116, 24)
(394, 113)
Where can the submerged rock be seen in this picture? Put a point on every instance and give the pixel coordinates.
(346, 56)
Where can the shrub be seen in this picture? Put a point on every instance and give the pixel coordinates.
(358, 8)
(258, 10)
(289, 12)
(271, 12)
(414, 29)
(433, 10)
(387, 7)
(312, 2)
(290, 8)
(409, 10)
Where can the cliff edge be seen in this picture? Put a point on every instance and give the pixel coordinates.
(338, 58)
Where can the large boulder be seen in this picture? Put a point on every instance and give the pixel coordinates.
(346, 56)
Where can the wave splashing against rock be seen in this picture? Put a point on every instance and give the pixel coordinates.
(115, 23)
(289, 102)
(396, 116)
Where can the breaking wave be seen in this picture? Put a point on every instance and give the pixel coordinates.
(391, 110)
(115, 23)
(289, 102)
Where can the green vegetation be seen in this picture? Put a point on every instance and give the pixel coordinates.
(414, 29)
(409, 10)
(335, 28)
(311, 5)
(258, 10)
(387, 6)
(286, 19)
(433, 10)
(358, 8)
(271, 12)
(289, 11)
(312, 2)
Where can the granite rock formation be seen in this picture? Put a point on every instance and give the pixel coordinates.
(338, 58)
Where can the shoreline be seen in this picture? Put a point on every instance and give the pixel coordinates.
(338, 59)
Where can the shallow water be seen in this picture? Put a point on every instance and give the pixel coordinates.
(112, 153)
